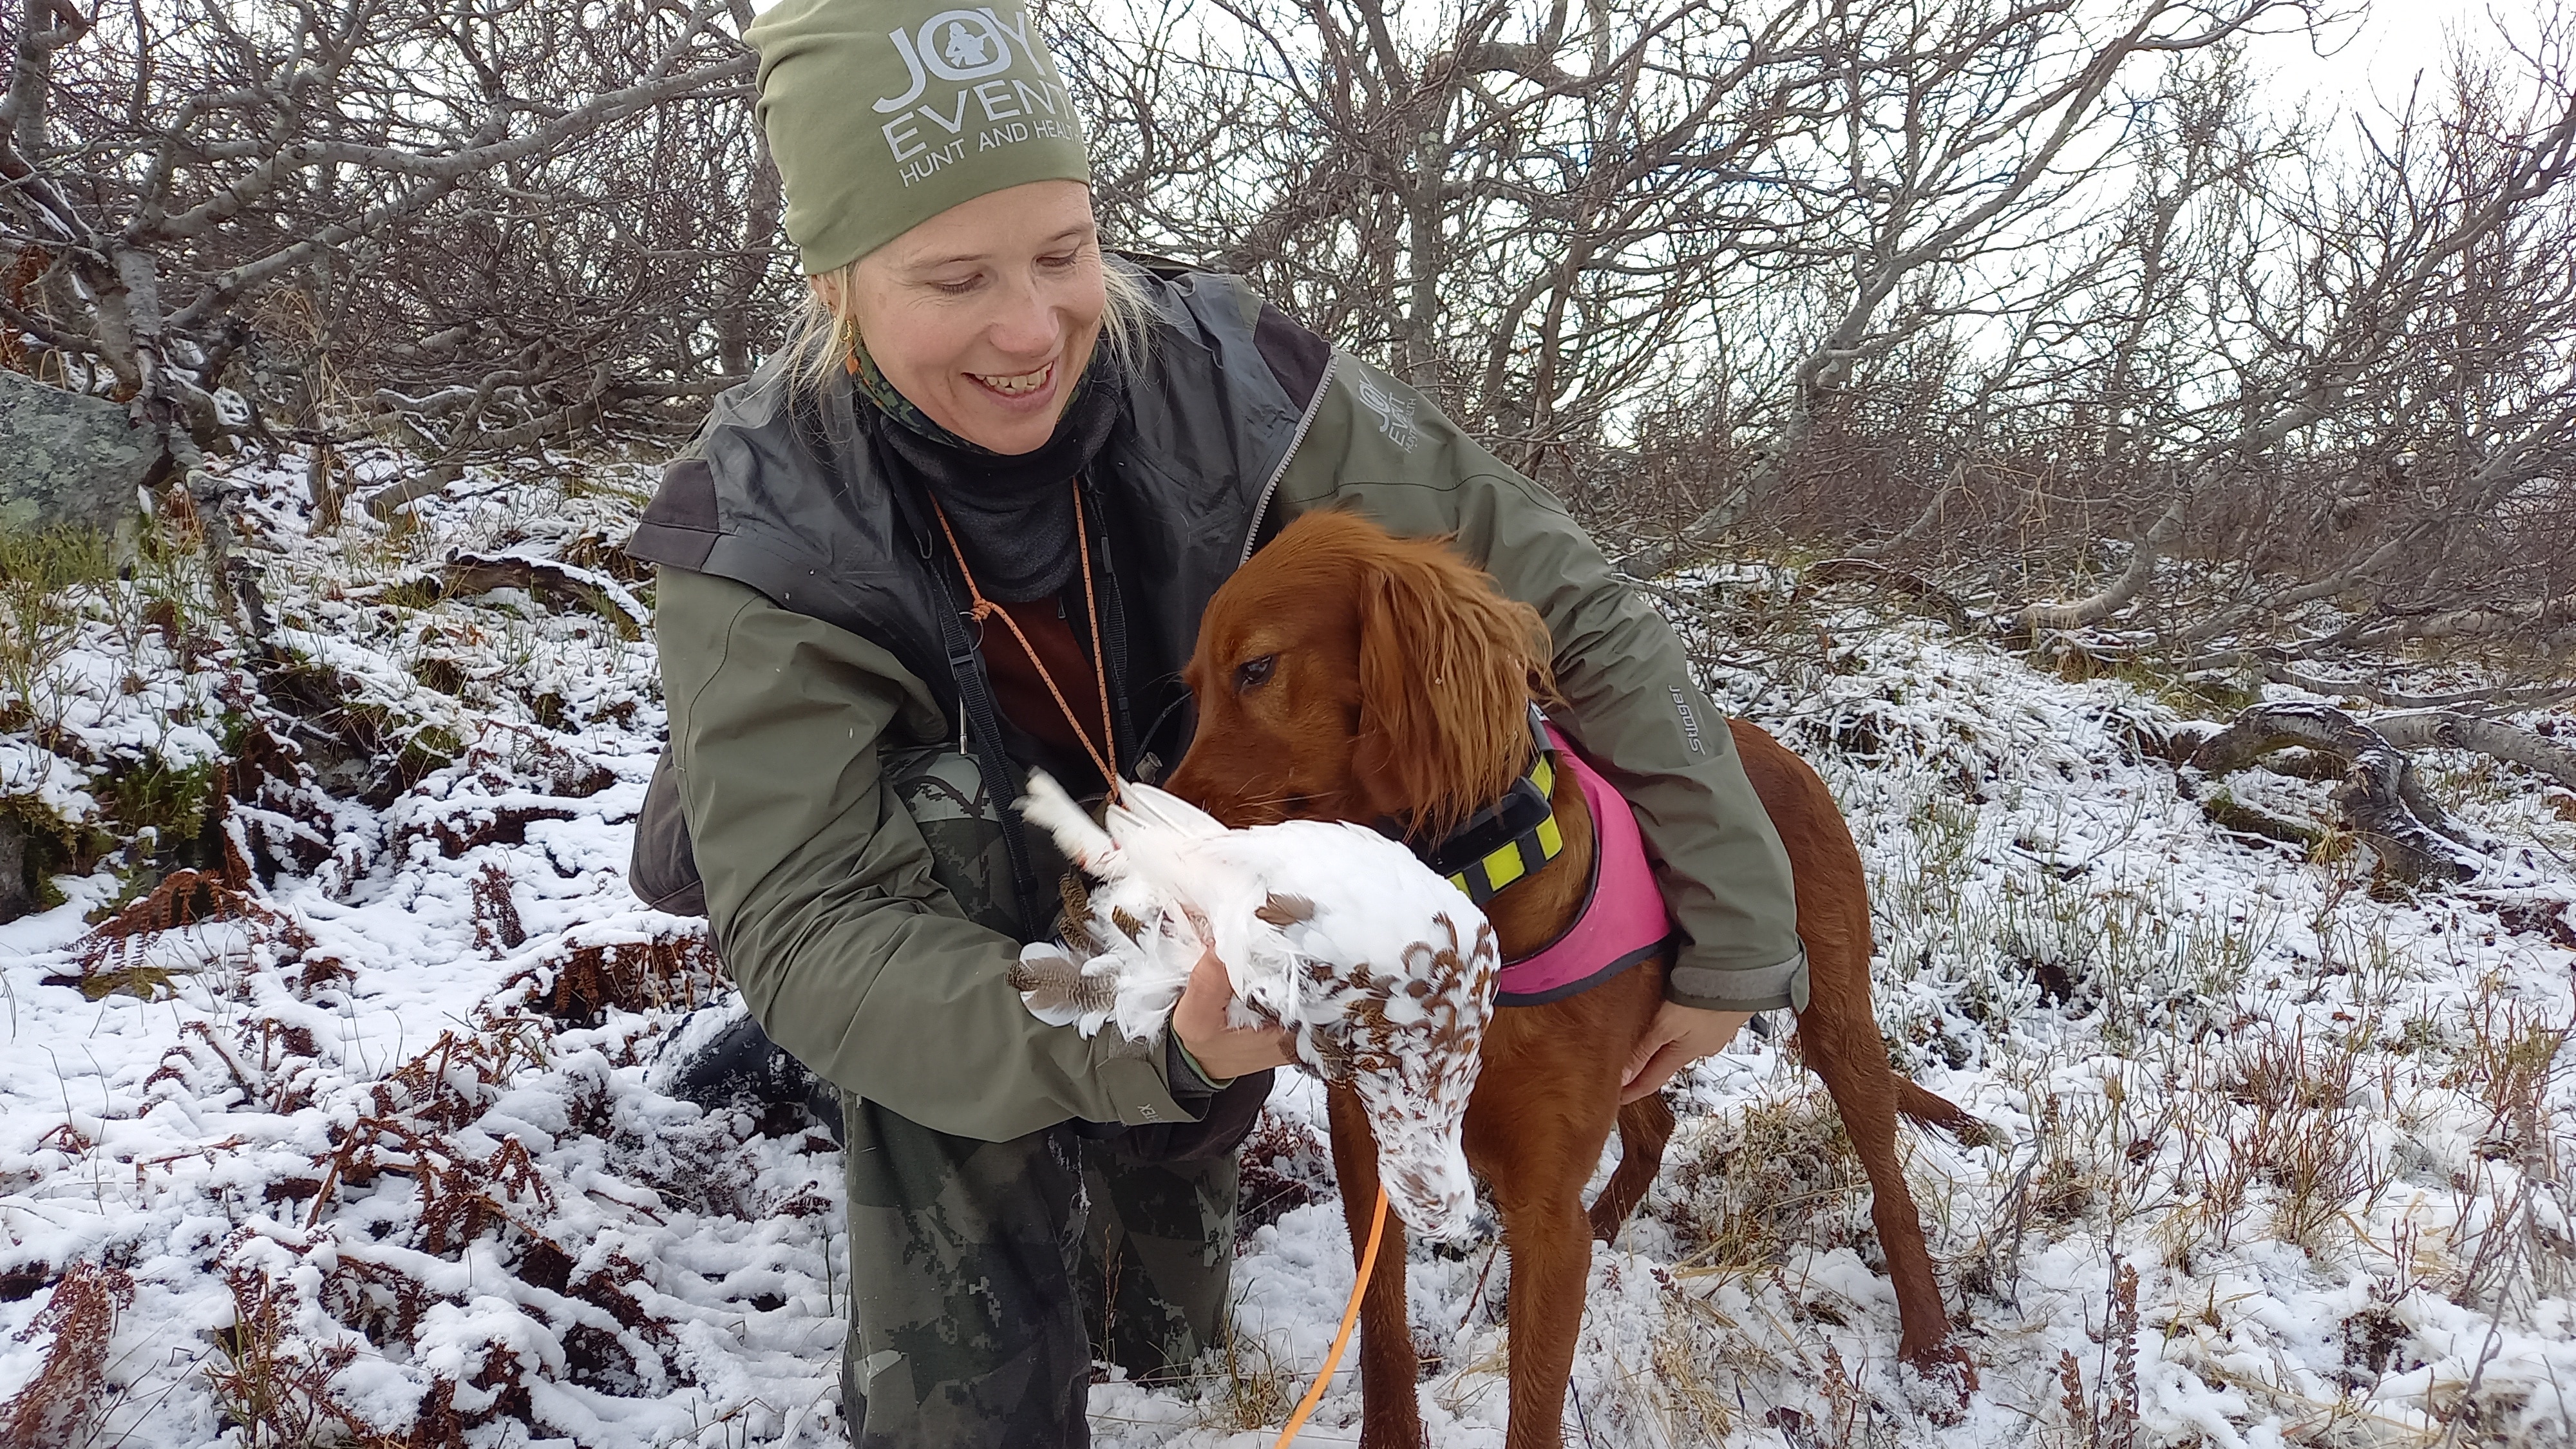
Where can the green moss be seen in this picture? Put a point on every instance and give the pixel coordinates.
(438, 672)
(430, 748)
(148, 983)
(152, 794)
(134, 881)
(415, 593)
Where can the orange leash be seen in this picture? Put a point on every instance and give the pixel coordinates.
(1350, 1320)
(983, 609)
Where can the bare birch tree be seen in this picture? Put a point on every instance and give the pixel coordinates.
(499, 222)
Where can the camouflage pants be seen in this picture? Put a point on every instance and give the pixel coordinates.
(984, 1275)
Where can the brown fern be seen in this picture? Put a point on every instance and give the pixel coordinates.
(69, 1389)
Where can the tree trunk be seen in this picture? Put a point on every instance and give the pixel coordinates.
(2492, 738)
(2379, 796)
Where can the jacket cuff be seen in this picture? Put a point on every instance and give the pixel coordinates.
(1188, 1079)
(1758, 988)
(1142, 1094)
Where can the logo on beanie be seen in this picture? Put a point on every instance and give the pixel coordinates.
(928, 134)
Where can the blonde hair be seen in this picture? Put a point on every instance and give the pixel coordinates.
(818, 341)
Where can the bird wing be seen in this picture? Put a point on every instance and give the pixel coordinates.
(1141, 806)
(1086, 844)
(1062, 992)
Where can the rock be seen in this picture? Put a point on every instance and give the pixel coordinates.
(17, 896)
(68, 459)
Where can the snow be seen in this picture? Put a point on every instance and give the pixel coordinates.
(2328, 1124)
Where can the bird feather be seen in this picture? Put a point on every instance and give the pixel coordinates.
(1381, 971)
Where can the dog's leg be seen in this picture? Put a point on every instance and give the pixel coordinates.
(1645, 1125)
(1844, 1048)
(1551, 1267)
(1839, 1036)
(1535, 1128)
(1390, 1415)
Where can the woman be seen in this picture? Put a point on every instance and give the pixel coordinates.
(967, 526)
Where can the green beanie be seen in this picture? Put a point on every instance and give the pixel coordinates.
(882, 114)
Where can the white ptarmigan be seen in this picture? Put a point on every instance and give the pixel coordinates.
(1382, 971)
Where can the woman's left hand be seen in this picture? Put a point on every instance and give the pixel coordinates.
(1224, 1051)
(1678, 1036)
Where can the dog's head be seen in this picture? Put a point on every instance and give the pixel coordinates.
(1346, 674)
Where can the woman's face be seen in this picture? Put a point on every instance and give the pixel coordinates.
(985, 314)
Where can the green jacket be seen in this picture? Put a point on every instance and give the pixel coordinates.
(798, 644)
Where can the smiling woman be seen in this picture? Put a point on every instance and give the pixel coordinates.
(985, 315)
(965, 527)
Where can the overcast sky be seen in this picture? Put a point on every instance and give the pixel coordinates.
(2399, 39)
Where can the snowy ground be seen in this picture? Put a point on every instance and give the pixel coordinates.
(348, 1138)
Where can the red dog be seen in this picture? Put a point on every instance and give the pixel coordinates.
(1308, 683)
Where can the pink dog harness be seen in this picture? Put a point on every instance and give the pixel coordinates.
(1623, 920)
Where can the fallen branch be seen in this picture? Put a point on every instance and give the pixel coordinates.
(474, 573)
(1929, 599)
(2492, 738)
(2115, 596)
(2229, 813)
(2379, 796)
(2541, 620)
(2501, 698)
(579, 415)
(1922, 524)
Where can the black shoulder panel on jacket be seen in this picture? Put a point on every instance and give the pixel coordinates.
(1296, 356)
(680, 525)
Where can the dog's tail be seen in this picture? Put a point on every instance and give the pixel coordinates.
(1933, 1110)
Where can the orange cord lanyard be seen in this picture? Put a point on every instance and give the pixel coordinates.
(1350, 1317)
(983, 608)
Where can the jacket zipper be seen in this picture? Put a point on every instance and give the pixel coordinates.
(1314, 405)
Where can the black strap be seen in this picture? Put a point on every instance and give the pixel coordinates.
(984, 733)
(1113, 630)
(1002, 784)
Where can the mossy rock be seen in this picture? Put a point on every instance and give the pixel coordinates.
(35, 846)
(17, 887)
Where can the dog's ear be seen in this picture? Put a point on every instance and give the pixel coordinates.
(1447, 666)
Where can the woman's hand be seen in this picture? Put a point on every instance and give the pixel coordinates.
(1678, 1036)
(1220, 1050)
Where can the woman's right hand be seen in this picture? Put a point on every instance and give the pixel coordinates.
(1224, 1051)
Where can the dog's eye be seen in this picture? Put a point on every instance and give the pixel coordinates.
(1253, 673)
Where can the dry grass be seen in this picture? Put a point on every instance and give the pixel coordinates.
(61, 1406)
(1243, 1386)
(1751, 1187)
(272, 1384)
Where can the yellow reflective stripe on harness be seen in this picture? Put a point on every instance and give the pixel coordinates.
(1527, 851)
